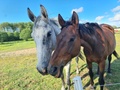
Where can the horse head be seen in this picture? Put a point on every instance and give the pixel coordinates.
(44, 36)
(68, 45)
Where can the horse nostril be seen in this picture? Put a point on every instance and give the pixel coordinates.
(54, 69)
(44, 70)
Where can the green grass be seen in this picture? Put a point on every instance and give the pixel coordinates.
(19, 72)
(16, 45)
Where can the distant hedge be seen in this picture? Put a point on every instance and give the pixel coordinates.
(8, 36)
(15, 31)
(3, 37)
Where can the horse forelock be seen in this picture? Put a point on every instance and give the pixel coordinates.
(67, 23)
(54, 22)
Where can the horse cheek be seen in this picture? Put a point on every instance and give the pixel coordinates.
(76, 49)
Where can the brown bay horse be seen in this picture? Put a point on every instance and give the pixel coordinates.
(98, 42)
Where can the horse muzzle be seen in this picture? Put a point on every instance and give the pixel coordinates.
(55, 71)
(42, 71)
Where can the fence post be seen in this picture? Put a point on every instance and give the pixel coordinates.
(77, 83)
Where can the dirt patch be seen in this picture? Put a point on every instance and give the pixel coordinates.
(19, 52)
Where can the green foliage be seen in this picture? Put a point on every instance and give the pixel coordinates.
(4, 26)
(25, 34)
(16, 31)
(114, 27)
(3, 37)
(10, 36)
(16, 35)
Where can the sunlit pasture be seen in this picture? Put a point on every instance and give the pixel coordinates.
(18, 70)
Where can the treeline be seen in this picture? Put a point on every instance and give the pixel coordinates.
(15, 31)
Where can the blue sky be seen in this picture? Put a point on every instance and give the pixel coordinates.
(101, 11)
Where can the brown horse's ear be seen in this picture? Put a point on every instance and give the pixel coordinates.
(43, 12)
(61, 20)
(31, 15)
(75, 18)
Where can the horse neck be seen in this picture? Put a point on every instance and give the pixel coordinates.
(90, 36)
(85, 35)
(93, 40)
(56, 26)
(56, 31)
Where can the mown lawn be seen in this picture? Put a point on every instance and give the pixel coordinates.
(18, 72)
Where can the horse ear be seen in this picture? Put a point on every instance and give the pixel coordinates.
(43, 12)
(61, 20)
(75, 18)
(31, 15)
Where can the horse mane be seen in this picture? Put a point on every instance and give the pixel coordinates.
(67, 23)
(88, 28)
(37, 19)
(55, 22)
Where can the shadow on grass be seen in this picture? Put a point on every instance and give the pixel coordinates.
(112, 80)
(80, 69)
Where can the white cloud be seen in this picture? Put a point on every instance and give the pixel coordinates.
(114, 23)
(116, 9)
(115, 18)
(98, 18)
(77, 10)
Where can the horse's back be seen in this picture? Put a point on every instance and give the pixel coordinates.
(107, 27)
(109, 36)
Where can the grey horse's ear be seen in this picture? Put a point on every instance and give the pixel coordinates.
(31, 15)
(43, 12)
(61, 20)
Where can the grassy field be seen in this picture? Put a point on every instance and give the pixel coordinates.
(18, 72)
(16, 45)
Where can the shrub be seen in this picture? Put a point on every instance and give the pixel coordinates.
(25, 34)
(16, 35)
(10, 36)
(3, 37)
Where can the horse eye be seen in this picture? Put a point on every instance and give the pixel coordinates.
(45, 26)
(72, 39)
(49, 34)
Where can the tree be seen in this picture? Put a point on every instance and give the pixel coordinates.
(10, 36)
(4, 26)
(16, 35)
(13, 26)
(114, 27)
(17, 31)
(3, 37)
(25, 34)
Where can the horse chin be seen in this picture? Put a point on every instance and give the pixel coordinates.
(59, 74)
(45, 73)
